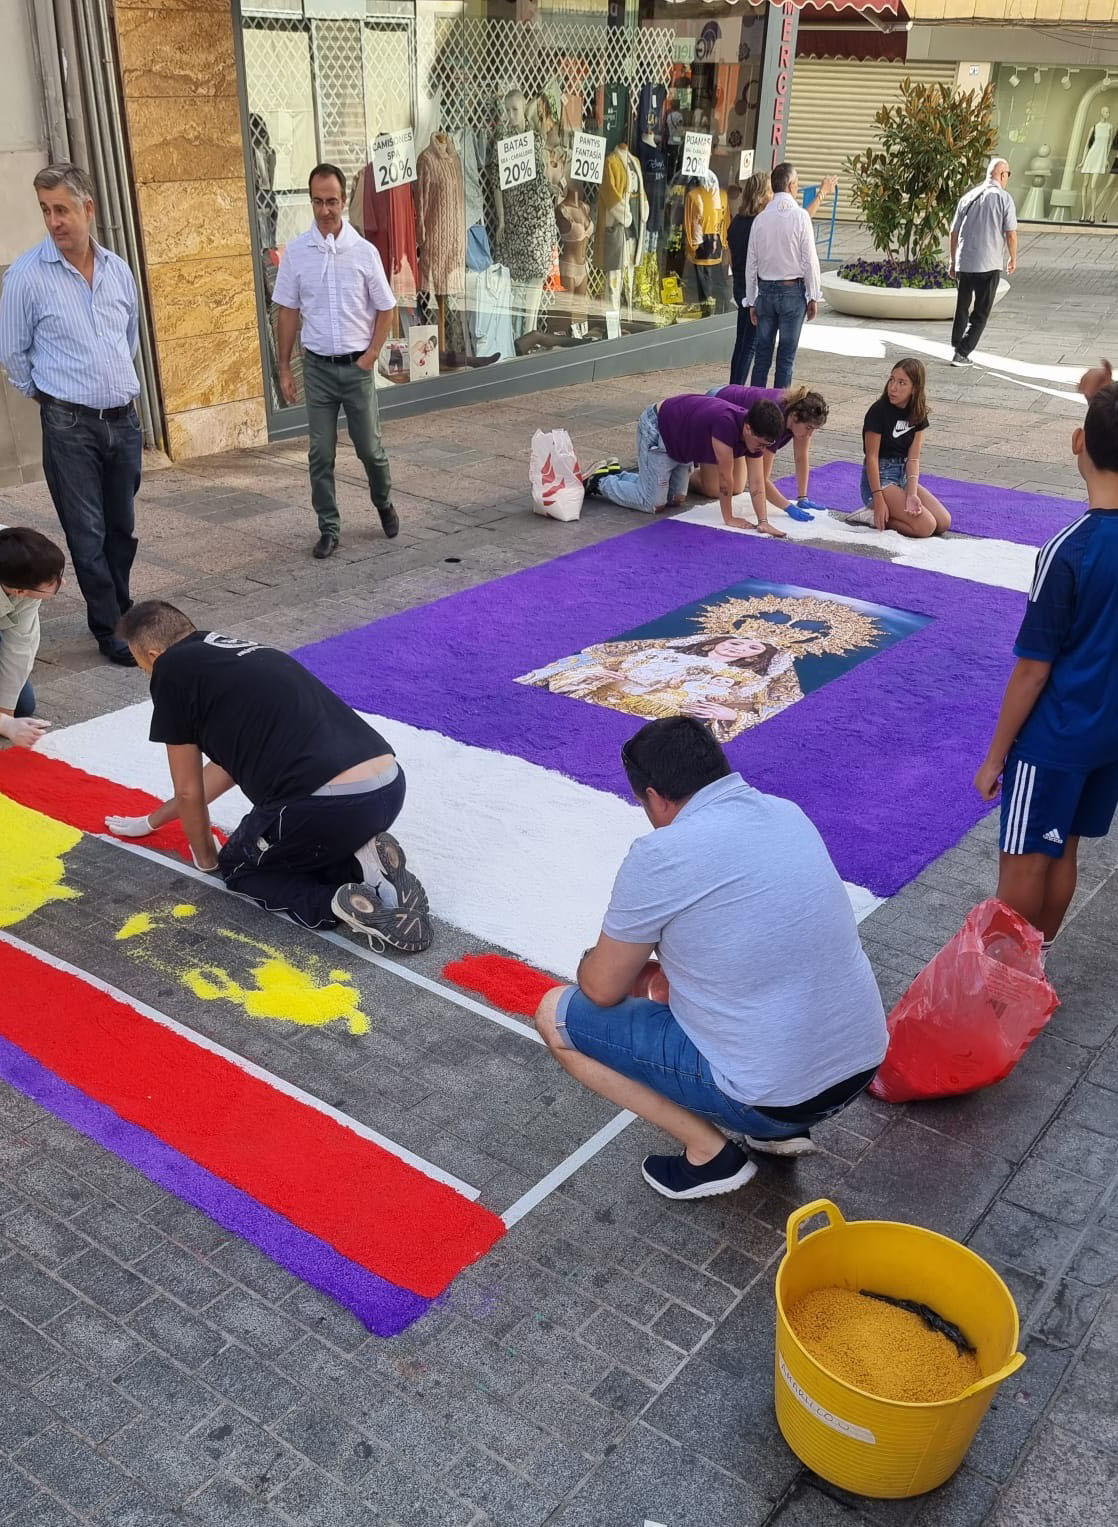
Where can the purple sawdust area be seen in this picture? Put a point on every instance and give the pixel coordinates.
(1003, 514)
(881, 759)
(380, 1306)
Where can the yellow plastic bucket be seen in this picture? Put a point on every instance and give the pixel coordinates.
(886, 1448)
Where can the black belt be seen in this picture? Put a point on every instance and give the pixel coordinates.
(336, 360)
(781, 281)
(112, 415)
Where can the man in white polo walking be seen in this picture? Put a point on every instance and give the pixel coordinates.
(335, 279)
(985, 221)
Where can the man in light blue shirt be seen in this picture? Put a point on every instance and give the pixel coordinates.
(69, 326)
(771, 1019)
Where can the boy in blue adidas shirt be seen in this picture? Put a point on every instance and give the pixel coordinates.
(1055, 749)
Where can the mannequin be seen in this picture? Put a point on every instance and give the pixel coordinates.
(654, 172)
(575, 228)
(441, 223)
(1095, 167)
(705, 224)
(387, 220)
(525, 222)
(622, 216)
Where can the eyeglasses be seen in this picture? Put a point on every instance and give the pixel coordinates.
(326, 204)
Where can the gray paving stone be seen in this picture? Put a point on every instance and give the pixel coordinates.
(1096, 1261)
(16, 1489)
(650, 1477)
(505, 1497)
(85, 1401)
(29, 1291)
(224, 1504)
(1064, 1480)
(105, 1282)
(1047, 1191)
(160, 1386)
(645, 1355)
(21, 1417)
(245, 1452)
(136, 1508)
(182, 1274)
(25, 1355)
(1075, 1149)
(1067, 1318)
(173, 1330)
(117, 1231)
(43, 1511)
(1094, 1108)
(171, 1469)
(1029, 1241)
(241, 1377)
(325, 1318)
(314, 1500)
(682, 1327)
(64, 1464)
(96, 1339)
(42, 1236)
(329, 1442)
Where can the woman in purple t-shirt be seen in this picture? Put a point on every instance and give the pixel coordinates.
(804, 412)
(674, 435)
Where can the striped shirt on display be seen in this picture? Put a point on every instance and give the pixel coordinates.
(60, 336)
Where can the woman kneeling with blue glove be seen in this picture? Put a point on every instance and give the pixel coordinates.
(804, 412)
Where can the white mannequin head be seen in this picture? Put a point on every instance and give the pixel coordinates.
(516, 111)
(1104, 114)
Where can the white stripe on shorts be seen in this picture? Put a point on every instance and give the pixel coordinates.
(1017, 825)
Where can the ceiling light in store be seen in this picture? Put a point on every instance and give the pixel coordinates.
(1036, 76)
(1015, 79)
(1066, 81)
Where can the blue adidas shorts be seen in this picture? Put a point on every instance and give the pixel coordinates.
(1042, 808)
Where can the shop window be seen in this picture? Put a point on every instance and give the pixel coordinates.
(532, 182)
(1058, 131)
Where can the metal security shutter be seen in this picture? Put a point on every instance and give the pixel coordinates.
(833, 104)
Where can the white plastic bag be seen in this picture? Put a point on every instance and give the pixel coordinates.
(553, 472)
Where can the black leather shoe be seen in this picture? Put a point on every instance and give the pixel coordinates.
(325, 546)
(117, 652)
(390, 521)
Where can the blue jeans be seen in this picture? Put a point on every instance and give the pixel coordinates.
(780, 310)
(641, 1039)
(92, 467)
(743, 347)
(658, 477)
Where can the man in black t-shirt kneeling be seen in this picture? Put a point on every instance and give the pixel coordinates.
(324, 786)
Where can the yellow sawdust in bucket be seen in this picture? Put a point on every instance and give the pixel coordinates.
(883, 1350)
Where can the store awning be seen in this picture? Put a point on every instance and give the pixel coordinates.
(893, 10)
(853, 29)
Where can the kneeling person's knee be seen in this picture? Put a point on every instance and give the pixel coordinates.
(547, 1018)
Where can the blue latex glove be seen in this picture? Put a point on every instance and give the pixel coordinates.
(809, 503)
(797, 512)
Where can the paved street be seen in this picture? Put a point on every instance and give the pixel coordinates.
(610, 1361)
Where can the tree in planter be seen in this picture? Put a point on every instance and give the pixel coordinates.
(932, 146)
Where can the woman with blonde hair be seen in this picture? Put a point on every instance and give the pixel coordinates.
(757, 192)
(804, 411)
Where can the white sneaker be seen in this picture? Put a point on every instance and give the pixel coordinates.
(859, 517)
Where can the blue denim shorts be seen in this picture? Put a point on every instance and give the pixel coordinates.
(893, 471)
(642, 1040)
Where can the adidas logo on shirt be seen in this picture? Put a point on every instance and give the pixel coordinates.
(1053, 837)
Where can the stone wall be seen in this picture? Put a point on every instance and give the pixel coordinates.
(178, 72)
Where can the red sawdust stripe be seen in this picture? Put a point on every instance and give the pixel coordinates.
(379, 1211)
(79, 799)
(508, 984)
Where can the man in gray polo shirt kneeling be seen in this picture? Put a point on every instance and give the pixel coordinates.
(774, 1021)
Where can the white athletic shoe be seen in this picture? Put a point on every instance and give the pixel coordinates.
(793, 1145)
(859, 517)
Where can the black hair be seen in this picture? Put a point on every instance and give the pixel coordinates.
(154, 624)
(675, 757)
(322, 171)
(28, 559)
(1100, 428)
(766, 420)
(781, 176)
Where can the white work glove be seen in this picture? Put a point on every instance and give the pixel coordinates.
(129, 827)
(24, 731)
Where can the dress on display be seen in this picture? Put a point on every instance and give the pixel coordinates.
(528, 244)
(1096, 161)
(387, 220)
(441, 218)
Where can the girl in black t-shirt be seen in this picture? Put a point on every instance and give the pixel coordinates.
(891, 435)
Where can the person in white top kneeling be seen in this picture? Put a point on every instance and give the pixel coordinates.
(772, 1020)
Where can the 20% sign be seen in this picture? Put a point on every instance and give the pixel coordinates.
(696, 153)
(588, 158)
(516, 160)
(394, 159)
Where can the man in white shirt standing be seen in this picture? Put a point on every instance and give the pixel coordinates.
(782, 284)
(335, 279)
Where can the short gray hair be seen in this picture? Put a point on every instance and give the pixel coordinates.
(72, 176)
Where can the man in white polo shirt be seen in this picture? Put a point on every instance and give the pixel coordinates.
(335, 279)
(772, 1021)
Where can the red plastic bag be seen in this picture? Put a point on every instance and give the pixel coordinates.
(971, 1013)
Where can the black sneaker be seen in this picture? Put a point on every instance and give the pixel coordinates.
(325, 546)
(791, 1145)
(594, 476)
(959, 359)
(675, 1177)
(390, 522)
(404, 929)
(117, 651)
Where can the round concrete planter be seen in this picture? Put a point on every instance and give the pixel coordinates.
(895, 303)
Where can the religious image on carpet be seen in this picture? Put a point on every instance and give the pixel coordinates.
(732, 659)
